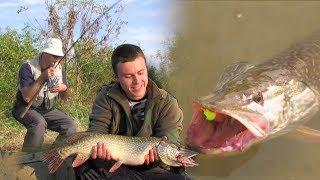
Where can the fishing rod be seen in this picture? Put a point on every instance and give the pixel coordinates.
(64, 56)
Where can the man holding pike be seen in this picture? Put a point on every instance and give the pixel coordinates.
(132, 106)
(40, 73)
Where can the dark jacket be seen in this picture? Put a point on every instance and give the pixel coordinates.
(111, 113)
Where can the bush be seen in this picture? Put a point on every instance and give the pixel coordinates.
(14, 49)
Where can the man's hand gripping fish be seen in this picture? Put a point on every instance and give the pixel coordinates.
(255, 103)
(124, 149)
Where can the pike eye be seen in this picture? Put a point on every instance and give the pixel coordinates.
(258, 98)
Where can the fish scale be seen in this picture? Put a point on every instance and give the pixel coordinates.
(124, 149)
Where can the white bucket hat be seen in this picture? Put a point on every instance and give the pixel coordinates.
(54, 47)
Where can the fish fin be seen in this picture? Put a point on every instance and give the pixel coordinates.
(80, 159)
(115, 166)
(53, 159)
(72, 138)
(309, 131)
(305, 134)
(232, 71)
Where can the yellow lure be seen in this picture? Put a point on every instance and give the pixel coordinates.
(209, 115)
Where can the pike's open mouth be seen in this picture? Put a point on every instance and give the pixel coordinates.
(224, 134)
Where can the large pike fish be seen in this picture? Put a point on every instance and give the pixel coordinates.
(251, 103)
(124, 149)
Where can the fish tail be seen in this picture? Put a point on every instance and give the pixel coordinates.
(53, 159)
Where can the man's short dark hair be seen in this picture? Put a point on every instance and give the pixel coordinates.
(125, 53)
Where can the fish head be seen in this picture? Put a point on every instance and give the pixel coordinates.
(248, 109)
(173, 155)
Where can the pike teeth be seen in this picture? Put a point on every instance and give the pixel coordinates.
(252, 127)
(255, 129)
(232, 120)
(187, 162)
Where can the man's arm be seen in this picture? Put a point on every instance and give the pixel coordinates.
(100, 120)
(65, 94)
(28, 86)
(168, 126)
(30, 91)
(169, 123)
(101, 115)
(62, 88)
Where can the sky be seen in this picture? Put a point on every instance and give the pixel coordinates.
(149, 21)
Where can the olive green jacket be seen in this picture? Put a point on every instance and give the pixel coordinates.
(111, 113)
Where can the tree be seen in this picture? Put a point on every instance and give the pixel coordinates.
(88, 64)
(68, 19)
(162, 74)
(14, 49)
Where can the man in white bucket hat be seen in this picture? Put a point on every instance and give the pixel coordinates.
(42, 114)
(54, 47)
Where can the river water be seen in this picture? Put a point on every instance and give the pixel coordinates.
(214, 34)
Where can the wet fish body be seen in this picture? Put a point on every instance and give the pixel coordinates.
(124, 149)
(256, 103)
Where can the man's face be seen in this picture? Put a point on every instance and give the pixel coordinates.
(48, 60)
(133, 78)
